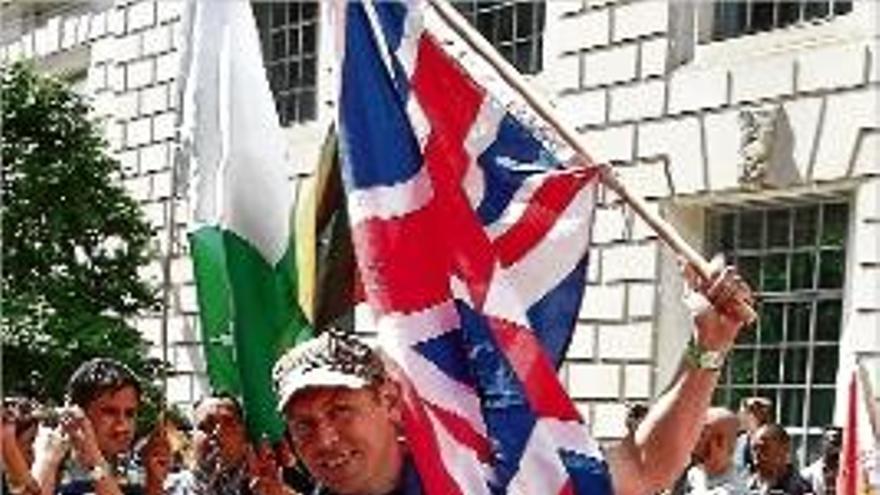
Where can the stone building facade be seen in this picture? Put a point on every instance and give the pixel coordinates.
(753, 131)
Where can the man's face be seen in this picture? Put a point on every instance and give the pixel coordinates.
(112, 415)
(831, 442)
(218, 426)
(770, 454)
(347, 438)
(701, 450)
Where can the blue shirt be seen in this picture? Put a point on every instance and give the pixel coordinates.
(410, 483)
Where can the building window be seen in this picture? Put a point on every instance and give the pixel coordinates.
(289, 37)
(794, 257)
(514, 27)
(738, 18)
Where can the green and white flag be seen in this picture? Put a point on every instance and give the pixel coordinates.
(232, 149)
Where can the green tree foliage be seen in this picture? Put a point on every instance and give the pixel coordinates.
(73, 241)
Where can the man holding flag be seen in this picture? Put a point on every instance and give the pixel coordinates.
(471, 241)
(345, 414)
(471, 237)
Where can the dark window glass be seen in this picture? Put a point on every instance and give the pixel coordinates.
(505, 24)
(794, 257)
(825, 364)
(742, 369)
(821, 406)
(740, 17)
(515, 28)
(841, 7)
(778, 226)
(834, 224)
(816, 9)
(805, 226)
(771, 324)
(730, 19)
(751, 228)
(486, 24)
(792, 406)
(802, 270)
(525, 20)
(768, 366)
(288, 31)
(795, 363)
(799, 322)
(775, 273)
(728, 232)
(831, 268)
(522, 53)
(762, 16)
(828, 320)
(789, 12)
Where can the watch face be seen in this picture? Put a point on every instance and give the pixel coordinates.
(704, 358)
(712, 360)
(98, 472)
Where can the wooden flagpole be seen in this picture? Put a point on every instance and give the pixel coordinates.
(513, 78)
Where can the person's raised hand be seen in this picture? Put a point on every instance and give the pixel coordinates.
(265, 472)
(15, 465)
(81, 434)
(721, 305)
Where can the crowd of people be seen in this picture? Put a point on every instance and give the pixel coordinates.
(343, 410)
(748, 453)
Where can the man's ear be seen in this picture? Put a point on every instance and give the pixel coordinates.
(390, 397)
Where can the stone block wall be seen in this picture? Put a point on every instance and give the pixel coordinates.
(652, 99)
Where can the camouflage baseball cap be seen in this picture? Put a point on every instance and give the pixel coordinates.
(332, 359)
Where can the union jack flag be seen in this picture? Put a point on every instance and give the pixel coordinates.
(471, 240)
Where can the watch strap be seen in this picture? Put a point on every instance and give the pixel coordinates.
(704, 359)
(99, 471)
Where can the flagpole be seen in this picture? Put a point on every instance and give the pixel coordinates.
(171, 206)
(513, 78)
(171, 234)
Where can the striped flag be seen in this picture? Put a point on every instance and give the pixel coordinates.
(241, 227)
(324, 253)
(471, 241)
(860, 437)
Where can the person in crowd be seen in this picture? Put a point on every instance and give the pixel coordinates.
(774, 473)
(714, 471)
(344, 411)
(168, 442)
(220, 449)
(92, 443)
(822, 473)
(754, 412)
(18, 429)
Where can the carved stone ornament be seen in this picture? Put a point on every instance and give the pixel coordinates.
(758, 136)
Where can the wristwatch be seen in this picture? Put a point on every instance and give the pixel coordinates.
(704, 359)
(15, 488)
(99, 471)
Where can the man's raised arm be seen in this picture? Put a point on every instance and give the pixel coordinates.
(655, 456)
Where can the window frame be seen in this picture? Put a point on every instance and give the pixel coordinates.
(699, 51)
(805, 432)
(749, 7)
(509, 46)
(708, 17)
(292, 108)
